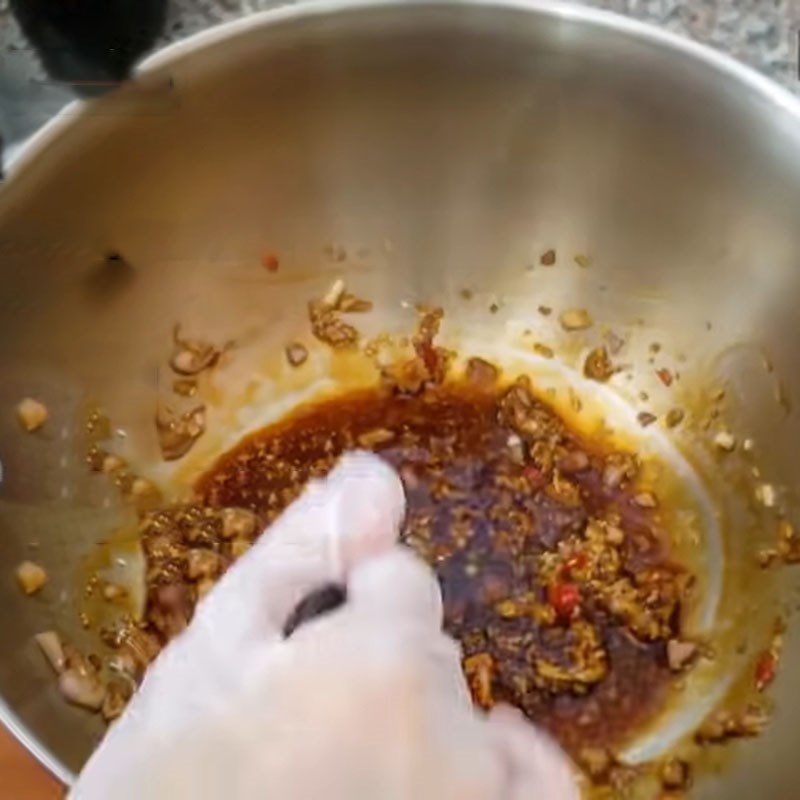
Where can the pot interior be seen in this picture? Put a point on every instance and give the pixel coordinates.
(415, 151)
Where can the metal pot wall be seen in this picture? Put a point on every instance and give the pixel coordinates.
(442, 145)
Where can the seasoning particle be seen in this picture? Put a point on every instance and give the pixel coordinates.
(674, 417)
(31, 414)
(675, 774)
(185, 387)
(765, 670)
(296, 354)
(645, 500)
(141, 487)
(270, 262)
(766, 495)
(178, 432)
(615, 536)
(50, 644)
(111, 463)
(597, 761)
(598, 365)
(112, 592)
(665, 376)
(575, 319)
(334, 294)
(192, 356)
(238, 523)
(725, 441)
(375, 437)
(680, 653)
(548, 258)
(788, 543)
(31, 577)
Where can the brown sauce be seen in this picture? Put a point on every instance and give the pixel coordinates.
(554, 574)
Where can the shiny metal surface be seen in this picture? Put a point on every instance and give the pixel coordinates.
(448, 144)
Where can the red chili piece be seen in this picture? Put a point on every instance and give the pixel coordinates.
(765, 670)
(665, 376)
(564, 598)
(534, 475)
(270, 262)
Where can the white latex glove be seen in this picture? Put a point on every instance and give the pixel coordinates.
(366, 702)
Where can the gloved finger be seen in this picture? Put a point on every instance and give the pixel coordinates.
(352, 515)
(396, 586)
(393, 619)
(536, 766)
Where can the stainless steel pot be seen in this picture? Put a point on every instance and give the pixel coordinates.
(443, 145)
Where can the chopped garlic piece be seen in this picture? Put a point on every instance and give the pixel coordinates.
(766, 495)
(725, 441)
(31, 414)
(31, 577)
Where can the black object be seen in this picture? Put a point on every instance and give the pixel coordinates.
(90, 45)
(327, 598)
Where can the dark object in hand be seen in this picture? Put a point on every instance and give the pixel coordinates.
(90, 44)
(327, 598)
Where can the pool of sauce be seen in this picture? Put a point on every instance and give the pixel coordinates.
(484, 521)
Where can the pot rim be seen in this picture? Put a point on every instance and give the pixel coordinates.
(722, 63)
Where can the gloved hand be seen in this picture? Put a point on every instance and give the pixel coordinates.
(366, 702)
